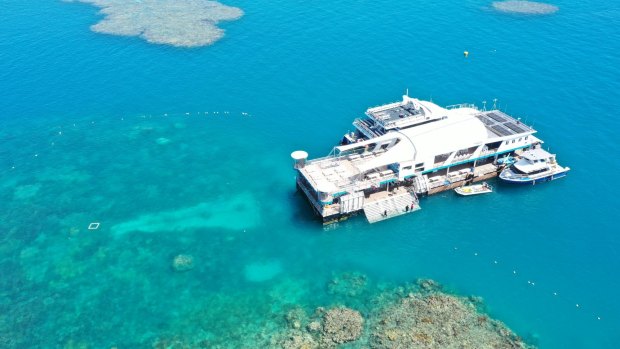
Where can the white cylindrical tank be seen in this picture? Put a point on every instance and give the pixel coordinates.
(299, 158)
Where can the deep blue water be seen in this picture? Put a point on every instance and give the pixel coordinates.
(81, 114)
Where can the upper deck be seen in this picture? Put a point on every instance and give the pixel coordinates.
(403, 114)
(335, 174)
(500, 124)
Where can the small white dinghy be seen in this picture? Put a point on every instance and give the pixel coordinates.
(474, 189)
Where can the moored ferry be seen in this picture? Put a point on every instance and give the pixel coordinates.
(534, 166)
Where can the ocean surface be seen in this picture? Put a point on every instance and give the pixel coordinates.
(186, 151)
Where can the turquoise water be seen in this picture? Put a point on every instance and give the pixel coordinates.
(114, 130)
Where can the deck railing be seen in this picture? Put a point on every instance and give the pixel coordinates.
(363, 126)
(462, 105)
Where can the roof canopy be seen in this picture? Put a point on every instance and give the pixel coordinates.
(460, 130)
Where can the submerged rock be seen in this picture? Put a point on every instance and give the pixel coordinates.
(341, 325)
(524, 7)
(183, 262)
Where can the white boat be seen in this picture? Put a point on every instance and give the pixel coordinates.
(474, 189)
(535, 166)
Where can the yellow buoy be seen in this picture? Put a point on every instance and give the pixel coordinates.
(466, 53)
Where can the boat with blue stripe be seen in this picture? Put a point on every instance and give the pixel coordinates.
(534, 166)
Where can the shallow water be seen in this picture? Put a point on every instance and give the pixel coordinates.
(83, 118)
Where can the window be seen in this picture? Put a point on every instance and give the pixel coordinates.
(519, 139)
(513, 141)
(507, 142)
(526, 137)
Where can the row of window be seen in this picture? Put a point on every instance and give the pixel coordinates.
(526, 137)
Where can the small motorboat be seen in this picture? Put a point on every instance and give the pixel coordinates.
(474, 189)
(506, 160)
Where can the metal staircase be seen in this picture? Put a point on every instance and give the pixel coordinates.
(394, 205)
(420, 184)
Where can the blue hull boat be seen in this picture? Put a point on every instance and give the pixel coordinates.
(534, 166)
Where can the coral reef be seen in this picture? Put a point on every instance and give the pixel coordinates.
(183, 262)
(437, 320)
(103, 288)
(349, 284)
(341, 325)
(294, 339)
(413, 316)
(184, 23)
(524, 7)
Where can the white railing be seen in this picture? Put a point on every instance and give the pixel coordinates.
(462, 105)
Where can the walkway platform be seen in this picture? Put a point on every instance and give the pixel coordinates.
(395, 203)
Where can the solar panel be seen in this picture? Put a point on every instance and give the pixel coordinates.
(496, 117)
(515, 127)
(500, 130)
(486, 120)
